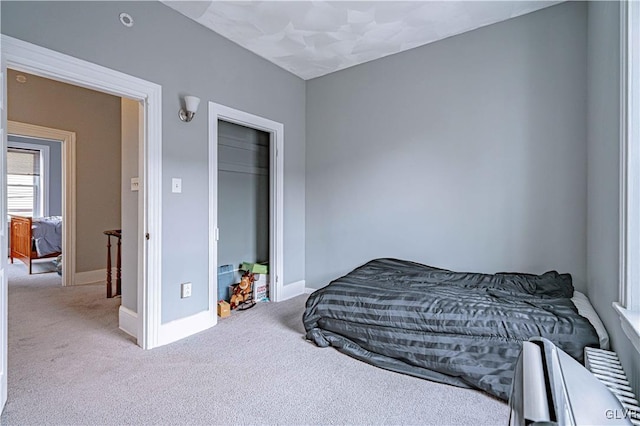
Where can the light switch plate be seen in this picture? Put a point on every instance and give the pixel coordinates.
(176, 185)
(135, 183)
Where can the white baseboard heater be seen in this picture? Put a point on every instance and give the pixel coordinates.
(606, 366)
(552, 388)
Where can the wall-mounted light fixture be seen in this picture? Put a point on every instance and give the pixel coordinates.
(191, 104)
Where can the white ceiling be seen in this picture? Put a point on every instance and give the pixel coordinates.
(314, 38)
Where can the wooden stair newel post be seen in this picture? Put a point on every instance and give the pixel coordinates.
(118, 269)
(118, 234)
(109, 290)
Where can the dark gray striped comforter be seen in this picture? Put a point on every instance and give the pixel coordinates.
(464, 329)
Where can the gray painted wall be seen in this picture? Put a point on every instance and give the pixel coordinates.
(185, 58)
(468, 153)
(129, 203)
(603, 225)
(243, 196)
(95, 118)
(55, 170)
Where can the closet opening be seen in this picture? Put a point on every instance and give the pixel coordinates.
(245, 204)
(243, 215)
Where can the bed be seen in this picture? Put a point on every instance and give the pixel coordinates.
(35, 238)
(463, 329)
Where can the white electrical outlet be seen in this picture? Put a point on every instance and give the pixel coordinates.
(185, 290)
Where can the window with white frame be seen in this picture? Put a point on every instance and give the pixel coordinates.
(24, 182)
(629, 303)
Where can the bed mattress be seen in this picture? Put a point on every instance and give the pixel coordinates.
(47, 235)
(463, 329)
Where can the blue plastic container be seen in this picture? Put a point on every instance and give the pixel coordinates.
(226, 277)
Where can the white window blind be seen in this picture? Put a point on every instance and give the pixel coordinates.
(23, 182)
(24, 162)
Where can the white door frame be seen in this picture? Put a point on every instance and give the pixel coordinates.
(68, 140)
(23, 56)
(276, 192)
(3, 238)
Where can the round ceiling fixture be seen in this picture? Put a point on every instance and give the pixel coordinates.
(21, 78)
(126, 20)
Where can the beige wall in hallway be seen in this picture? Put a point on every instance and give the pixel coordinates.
(95, 117)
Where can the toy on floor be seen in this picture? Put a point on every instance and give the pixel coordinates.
(242, 297)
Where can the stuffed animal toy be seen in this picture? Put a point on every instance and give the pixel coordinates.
(243, 292)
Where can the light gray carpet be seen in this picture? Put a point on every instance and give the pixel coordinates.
(69, 364)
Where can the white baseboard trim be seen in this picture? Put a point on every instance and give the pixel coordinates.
(184, 327)
(308, 290)
(128, 321)
(91, 277)
(292, 290)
